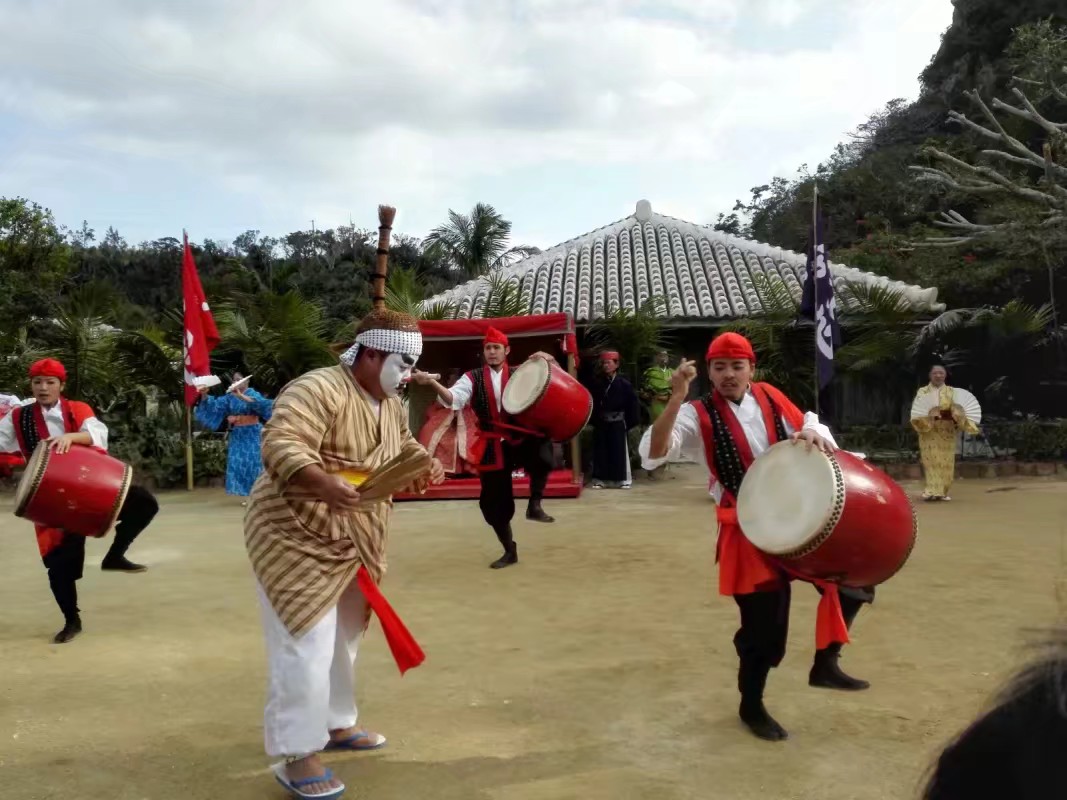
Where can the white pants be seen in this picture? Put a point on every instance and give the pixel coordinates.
(311, 684)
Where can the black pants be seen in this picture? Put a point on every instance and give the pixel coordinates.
(66, 562)
(497, 498)
(765, 621)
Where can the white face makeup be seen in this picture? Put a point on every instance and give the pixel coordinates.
(396, 371)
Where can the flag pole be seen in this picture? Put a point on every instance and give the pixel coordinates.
(815, 282)
(188, 409)
(188, 448)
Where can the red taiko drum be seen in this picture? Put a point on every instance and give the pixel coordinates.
(543, 397)
(826, 517)
(80, 491)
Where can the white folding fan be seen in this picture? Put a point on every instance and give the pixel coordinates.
(960, 397)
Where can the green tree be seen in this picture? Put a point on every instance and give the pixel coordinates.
(476, 243)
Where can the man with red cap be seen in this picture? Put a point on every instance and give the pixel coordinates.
(64, 423)
(727, 430)
(503, 449)
(615, 412)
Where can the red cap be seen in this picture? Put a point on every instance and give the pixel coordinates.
(609, 355)
(731, 347)
(48, 368)
(493, 336)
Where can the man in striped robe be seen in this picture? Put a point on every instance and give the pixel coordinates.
(317, 553)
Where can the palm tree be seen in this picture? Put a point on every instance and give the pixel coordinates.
(504, 296)
(475, 243)
(995, 351)
(636, 334)
(78, 334)
(406, 291)
(278, 337)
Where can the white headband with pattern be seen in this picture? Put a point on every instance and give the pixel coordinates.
(408, 343)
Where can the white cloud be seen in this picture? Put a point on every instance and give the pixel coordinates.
(306, 106)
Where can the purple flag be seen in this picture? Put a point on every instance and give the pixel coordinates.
(818, 305)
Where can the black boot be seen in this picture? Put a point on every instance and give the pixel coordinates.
(511, 556)
(751, 680)
(138, 511)
(119, 563)
(535, 513)
(507, 541)
(115, 560)
(826, 674)
(65, 592)
(71, 629)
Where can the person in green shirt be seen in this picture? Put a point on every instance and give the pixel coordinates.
(657, 388)
(656, 391)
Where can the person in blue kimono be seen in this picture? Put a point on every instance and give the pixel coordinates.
(245, 410)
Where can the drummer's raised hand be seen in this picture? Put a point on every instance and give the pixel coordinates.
(682, 377)
(542, 354)
(812, 439)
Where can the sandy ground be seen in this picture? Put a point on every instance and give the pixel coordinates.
(599, 668)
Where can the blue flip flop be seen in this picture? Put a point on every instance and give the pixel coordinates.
(356, 742)
(294, 787)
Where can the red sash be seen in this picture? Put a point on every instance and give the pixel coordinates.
(406, 651)
(743, 569)
(74, 416)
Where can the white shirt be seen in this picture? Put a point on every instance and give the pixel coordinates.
(53, 418)
(687, 440)
(463, 389)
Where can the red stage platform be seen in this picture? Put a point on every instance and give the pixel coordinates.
(560, 484)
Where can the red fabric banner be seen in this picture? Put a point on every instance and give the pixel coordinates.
(201, 335)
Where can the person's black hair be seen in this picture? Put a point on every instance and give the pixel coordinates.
(1016, 749)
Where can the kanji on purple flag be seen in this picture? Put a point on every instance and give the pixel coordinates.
(818, 304)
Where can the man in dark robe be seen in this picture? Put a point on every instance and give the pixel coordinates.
(615, 412)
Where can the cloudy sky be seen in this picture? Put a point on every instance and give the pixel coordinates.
(225, 115)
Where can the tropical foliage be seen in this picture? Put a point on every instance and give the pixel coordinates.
(477, 242)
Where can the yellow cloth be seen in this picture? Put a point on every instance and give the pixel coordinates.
(303, 554)
(937, 440)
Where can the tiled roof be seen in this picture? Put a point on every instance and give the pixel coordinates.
(700, 272)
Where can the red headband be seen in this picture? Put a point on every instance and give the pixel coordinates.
(609, 355)
(48, 368)
(730, 347)
(493, 336)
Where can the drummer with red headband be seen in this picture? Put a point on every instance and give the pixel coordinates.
(64, 423)
(504, 448)
(726, 430)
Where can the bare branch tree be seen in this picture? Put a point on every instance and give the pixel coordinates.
(1047, 192)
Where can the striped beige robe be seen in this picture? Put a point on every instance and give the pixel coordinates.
(303, 554)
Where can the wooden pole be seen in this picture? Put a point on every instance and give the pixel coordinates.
(815, 283)
(576, 447)
(188, 447)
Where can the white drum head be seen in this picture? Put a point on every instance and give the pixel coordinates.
(31, 477)
(526, 385)
(787, 497)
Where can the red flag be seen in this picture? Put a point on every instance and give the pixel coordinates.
(201, 335)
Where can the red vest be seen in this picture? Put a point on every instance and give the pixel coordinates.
(484, 403)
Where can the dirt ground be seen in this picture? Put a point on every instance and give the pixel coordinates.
(601, 667)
